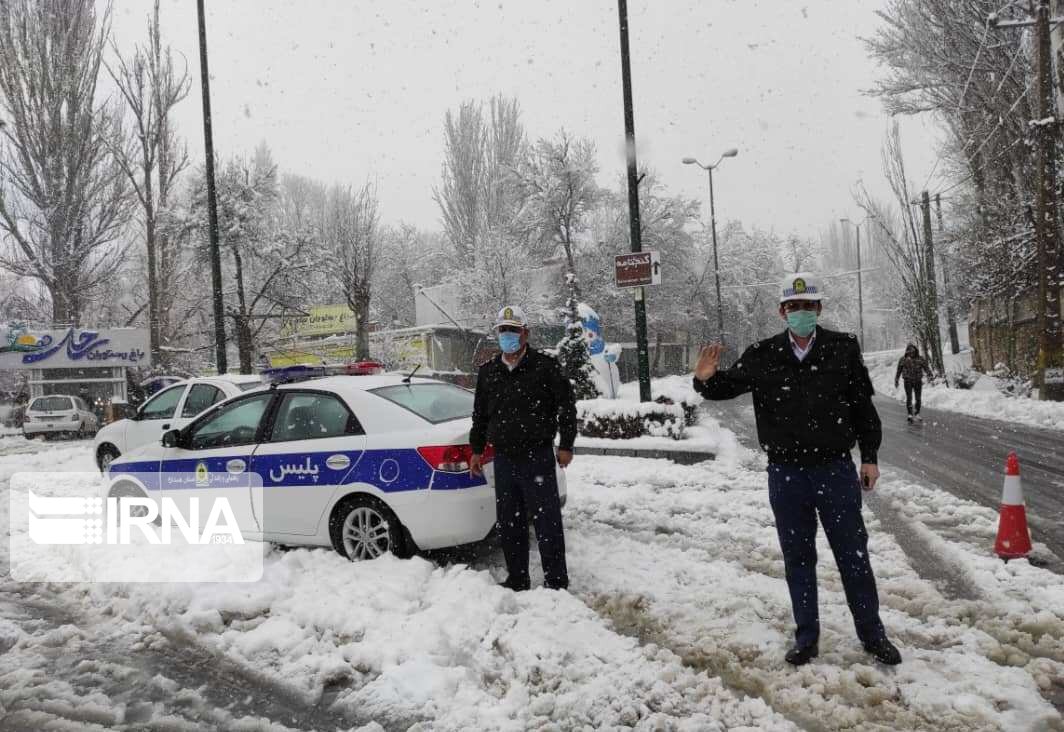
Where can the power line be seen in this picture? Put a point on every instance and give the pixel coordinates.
(971, 72)
(968, 177)
(993, 97)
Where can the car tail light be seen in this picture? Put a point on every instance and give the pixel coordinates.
(452, 458)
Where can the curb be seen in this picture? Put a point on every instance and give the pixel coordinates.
(681, 457)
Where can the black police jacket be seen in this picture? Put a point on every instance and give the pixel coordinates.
(520, 410)
(808, 412)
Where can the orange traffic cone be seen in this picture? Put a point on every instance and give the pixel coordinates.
(1013, 539)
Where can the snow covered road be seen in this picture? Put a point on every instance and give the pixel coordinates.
(678, 619)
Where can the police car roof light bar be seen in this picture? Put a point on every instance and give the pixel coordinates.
(290, 374)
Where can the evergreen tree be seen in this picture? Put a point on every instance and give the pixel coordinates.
(572, 349)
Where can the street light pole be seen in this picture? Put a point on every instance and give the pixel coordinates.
(716, 263)
(713, 228)
(860, 292)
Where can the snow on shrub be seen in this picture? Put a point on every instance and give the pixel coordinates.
(1010, 383)
(617, 419)
(963, 379)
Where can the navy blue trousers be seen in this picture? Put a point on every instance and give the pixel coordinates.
(798, 495)
(526, 487)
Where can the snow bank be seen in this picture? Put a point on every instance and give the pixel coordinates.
(982, 400)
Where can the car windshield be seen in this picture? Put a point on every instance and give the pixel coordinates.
(433, 402)
(51, 404)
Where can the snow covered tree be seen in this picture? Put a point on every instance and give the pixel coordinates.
(572, 348)
(64, 199)
(408, 257)
(266, 262)
(557, 182)
(477, 194)
(350, 234)
(906, 248)
(152, 159)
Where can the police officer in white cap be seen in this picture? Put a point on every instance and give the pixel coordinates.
(813, 401)
(523, 400)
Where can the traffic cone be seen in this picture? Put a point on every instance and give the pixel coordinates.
(1013, 539)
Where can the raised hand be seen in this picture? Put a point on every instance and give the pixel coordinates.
(708, 361)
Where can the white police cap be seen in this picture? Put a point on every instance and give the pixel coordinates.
(801, 286)
(511, 315)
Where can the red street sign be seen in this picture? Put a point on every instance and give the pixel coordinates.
(637, 269)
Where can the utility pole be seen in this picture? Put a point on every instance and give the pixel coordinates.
(633, 205)
(212, 201)
(1056, 41)
(1051, 345)
(1050, 365)
(860, 292)
(951, 318)
(931, 306)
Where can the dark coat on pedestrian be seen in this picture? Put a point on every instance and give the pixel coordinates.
(912, 367)
(521, 410)
(809, 412)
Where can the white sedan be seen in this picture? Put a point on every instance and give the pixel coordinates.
(364, 464)
(171, 408)
(58, 414)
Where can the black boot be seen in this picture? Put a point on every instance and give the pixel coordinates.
(884, 651)
(801, 655)
(517, 586)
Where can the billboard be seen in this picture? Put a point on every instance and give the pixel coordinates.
(22, 347)
(322, 320)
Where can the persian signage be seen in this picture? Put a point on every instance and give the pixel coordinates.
(637, 269)
(323, 320)
(22, 347)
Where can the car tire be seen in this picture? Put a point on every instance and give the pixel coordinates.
(362, 527)
(126, 488)
(105, 454)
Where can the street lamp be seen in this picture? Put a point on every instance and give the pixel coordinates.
(860, 294)
(713, 225)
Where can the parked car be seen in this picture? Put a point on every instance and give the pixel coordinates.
(364, 464)
(58, 414)
(170, 408)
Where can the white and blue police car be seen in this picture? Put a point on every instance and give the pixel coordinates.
(364, 464)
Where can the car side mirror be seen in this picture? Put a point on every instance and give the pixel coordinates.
(172, 438)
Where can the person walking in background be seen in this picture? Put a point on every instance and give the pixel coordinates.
(911, 368)
(523, 399)
(812, 401)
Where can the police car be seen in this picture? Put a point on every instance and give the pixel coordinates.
(364, 464)
(170, 408)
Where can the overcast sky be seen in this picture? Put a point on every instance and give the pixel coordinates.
(345, 91)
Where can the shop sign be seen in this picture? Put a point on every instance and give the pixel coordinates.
(322, 320)
(22, 347)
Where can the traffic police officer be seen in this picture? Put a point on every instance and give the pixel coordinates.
(523, 399)
(812, 401)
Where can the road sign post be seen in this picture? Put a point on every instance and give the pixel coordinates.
(637, 269)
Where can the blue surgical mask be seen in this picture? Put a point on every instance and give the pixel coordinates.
(802, 322)
(510, 342)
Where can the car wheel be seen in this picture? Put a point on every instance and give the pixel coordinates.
(121, 490)
(105, 455)
(361, 527)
